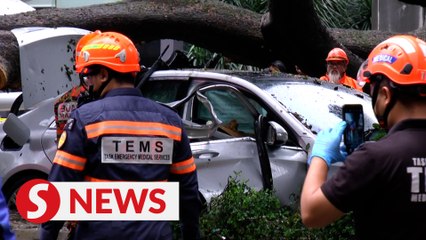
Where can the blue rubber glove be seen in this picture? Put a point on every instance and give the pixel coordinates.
(327, 144)
(343, 150)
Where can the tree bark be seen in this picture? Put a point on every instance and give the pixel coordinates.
(290, 32)
(9, 60)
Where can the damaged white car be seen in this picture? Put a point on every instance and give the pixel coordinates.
(257, 126)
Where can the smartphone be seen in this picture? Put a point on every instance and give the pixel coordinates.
(353, 135)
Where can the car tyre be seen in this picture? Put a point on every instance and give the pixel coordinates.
(12, 186)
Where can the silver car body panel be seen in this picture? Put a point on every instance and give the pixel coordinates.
(6, 101)
(219, 159)
(46, 60)
(34, 154)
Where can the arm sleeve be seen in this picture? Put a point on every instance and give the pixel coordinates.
(65, 170)
(190, 204)
(70, 159)
(352, 184)
(6, 231)
(50, 230)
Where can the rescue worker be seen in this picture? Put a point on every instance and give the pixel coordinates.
(71, 99)
(382, 182)
(337, 63)
(121, 112)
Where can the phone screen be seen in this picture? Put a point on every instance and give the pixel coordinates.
(354, 133)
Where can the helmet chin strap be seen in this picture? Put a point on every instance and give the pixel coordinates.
(97, 94)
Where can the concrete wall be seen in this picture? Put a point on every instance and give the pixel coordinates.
(395, 16)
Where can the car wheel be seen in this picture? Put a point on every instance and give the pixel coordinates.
(11, 188)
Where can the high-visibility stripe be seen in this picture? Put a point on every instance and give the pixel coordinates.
(183, 167)
(92, 179)
(133, 128)
(70, 161)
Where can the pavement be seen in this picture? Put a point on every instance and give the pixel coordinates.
(32, 234)
(25, 230)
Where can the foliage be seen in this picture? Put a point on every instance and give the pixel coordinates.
(241, 212)
(259, 6)
(202, 58)
(199, 57)
(376, 133)
(347, 14)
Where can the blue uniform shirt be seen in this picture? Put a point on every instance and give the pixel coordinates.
(125, 113)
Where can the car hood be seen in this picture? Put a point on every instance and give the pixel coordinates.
(319, 107)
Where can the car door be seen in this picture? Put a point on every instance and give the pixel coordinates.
(225, 153)
(233, 148)
(229, 151)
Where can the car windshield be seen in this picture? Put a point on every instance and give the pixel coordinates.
(317, 105)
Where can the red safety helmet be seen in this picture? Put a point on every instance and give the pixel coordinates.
(109, 49)
(337, 54)
(401, 58)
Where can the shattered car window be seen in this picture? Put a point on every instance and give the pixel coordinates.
(229, 109)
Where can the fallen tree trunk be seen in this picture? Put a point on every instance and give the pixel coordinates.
(292, 31)
(9, 60)
(219, 27)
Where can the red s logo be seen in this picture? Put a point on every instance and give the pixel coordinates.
(38, 201)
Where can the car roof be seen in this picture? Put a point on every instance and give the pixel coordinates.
(316, 103)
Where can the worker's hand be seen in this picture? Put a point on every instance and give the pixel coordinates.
(327, 145)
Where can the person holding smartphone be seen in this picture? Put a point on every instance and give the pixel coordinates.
(384, 182)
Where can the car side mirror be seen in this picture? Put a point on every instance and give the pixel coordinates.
(16, 129)
(276, 135)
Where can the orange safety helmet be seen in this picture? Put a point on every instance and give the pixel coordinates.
(337, 54)
(109, 49)
(82, 42)
(401, 58)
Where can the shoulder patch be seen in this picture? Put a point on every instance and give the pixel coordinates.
(62, 139)
(70, 124)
